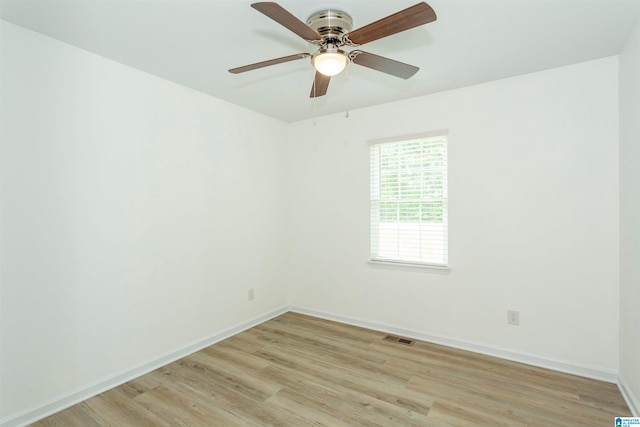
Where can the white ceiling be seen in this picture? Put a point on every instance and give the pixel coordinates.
(194, 42)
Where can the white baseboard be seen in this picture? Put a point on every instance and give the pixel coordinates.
(77, 396)
(56, 405)
(529, 359)
(632, 400)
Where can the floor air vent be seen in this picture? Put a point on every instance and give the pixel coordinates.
(399, 340)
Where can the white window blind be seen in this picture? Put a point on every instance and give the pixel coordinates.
(409, 200)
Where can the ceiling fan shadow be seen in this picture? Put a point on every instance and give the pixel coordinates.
(417, 38)
(365, 76)
(283, 39)
(287, 70)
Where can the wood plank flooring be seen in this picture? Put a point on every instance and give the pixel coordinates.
(297, 370)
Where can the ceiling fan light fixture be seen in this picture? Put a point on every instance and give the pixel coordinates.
(329, 61)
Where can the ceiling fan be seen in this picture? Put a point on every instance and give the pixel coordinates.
(330, 30)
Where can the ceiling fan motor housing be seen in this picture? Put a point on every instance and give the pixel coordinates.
(331, 25)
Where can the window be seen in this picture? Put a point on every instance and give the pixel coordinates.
(409, 200)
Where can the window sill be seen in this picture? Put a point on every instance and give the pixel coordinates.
(392, 265)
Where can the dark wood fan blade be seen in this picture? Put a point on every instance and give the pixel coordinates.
(411, 17)
(286, 19)
(320, 85)
(386, 65)
(262, 64)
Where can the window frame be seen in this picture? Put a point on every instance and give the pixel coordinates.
(404, 264)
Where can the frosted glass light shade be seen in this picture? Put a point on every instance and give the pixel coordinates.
(330, 63)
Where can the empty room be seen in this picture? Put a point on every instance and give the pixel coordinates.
(343, 213)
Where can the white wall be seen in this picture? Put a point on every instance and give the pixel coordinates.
(630, 218)
(136, 213)
(533, 218)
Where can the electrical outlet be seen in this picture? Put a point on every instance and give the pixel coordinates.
(513, 317)
(251, 294)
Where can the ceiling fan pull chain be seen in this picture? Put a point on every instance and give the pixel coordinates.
(346, 75)
(315, 112)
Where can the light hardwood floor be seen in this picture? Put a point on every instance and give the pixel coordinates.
(297, 370)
